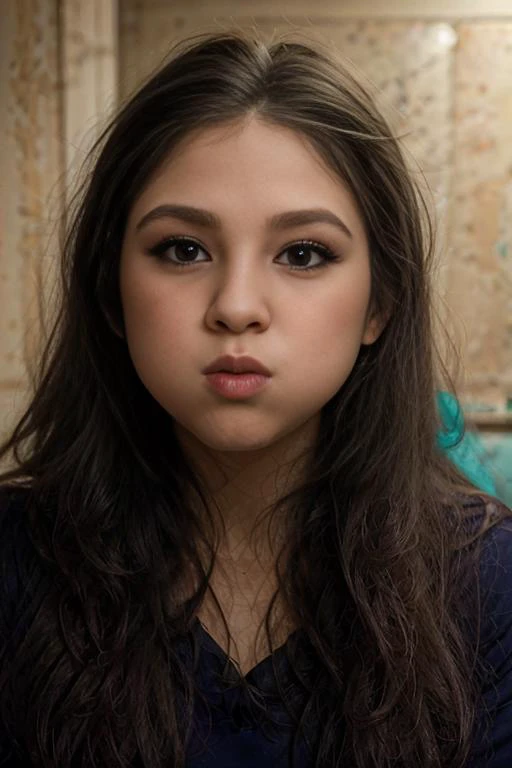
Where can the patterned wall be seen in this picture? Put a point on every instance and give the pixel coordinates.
(446, 84)
(480, 284)
(58, 67)
(29, 190)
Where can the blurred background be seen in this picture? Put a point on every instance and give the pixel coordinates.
(441, 71)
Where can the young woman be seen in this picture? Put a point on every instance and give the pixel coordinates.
(230, 538)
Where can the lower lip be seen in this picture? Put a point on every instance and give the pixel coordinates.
(236, 386)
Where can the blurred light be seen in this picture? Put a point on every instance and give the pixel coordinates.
(446, 35)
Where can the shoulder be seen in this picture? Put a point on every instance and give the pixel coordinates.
(17, 557)
(13, 500)
(491, 521)
(21, 585)
(487, 523)
(14, 503)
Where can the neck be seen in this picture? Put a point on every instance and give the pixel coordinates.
(243, 487)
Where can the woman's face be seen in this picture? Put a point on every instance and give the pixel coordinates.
(245, 244)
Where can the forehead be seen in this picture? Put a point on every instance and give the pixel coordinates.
(250, 162)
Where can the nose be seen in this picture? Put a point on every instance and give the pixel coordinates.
(239, 300)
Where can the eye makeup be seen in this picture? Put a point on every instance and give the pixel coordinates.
(171, 249)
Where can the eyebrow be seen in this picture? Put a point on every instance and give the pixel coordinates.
(203, 218)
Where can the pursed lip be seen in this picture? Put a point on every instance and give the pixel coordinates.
(231, 364)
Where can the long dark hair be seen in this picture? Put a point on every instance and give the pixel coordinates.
(370, 567)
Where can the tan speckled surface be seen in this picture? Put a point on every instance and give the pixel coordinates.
(56, 75)
(480, 275)
(29, 158)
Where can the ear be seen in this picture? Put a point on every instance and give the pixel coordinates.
(375, 324)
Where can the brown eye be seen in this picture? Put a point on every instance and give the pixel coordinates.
(180, 251)
(304, 256)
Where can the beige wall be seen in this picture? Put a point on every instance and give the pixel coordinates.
(30, 164)
(58, 77)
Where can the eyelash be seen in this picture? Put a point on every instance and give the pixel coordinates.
(327, 255)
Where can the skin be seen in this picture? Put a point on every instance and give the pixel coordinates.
(242, 297)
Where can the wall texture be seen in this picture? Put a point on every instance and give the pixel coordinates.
(31, 169)
(58, 79)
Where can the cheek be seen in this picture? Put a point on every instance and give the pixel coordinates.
(157, 329)
(329, 339)
(149, 307)
(337, 319)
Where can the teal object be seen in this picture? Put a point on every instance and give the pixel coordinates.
(465, 449)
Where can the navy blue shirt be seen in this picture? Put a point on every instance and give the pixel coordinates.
(243, 720)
